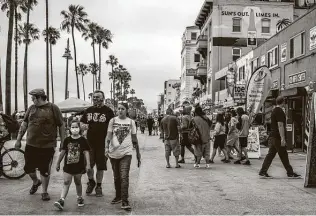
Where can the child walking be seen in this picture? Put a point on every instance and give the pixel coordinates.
(75, 149)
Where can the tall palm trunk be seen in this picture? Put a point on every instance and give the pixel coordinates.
(8, 62)
(1, 101)
(94, 62)
(16, 61)
(113, 85)
(51, 72)
(84, 91)
(25, 80)
(47, 54)
(75, 54)
(100, 66)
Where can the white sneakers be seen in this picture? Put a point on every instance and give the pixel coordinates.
(198, 166)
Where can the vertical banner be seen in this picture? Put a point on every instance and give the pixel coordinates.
(283, 52)
(310, 174)
(253, 146)
(258, 90)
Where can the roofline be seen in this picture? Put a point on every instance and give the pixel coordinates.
(203, 6)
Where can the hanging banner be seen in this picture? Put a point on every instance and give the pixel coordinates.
(253, 146)
(283, 52)
(258, 90)
(312, 38)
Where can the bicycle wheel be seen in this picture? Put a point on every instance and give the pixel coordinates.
(13, 163)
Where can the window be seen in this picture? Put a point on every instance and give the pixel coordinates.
(169, 85)
(236, 53)
(273, 57)
(254, 65)
(241, 73)
(193, 35)
(265, 25)
(236, 24)
(297, 45)
(196, 57)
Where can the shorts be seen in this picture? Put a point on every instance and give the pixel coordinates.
(219, 141)
(185, 140)
(98, 158)
(40, 158)
(203, 150)
(172, 146)
(243, 141)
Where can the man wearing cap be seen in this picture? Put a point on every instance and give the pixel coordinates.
(97, 119)
(40, 122)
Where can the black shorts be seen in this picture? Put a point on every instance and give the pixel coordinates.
(97, 155)
(219, 141)
(40, 158)
(243, 142)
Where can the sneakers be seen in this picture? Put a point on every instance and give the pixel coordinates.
(45, 197)
(80, 202)
(247, 163)
(126, 206)
(60, 204)
(211, 161)
(207, 166)
(294, 175)
(91, 185)
(265, 176)
(181, 161)
(196, 166)
(98, 191)
(237, 162)
(35, 187)
(226, 161)
(116, 200)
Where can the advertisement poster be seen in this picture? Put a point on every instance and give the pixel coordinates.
(283, 52)
(252, 38)
(258, 90)
(263, 60)
(253, 143)
(240, 92)
(312, 38)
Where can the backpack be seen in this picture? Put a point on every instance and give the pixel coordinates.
(194, 135)
(11, 124)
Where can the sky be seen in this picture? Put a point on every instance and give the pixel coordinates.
(146, 40)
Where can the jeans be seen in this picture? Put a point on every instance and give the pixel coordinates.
(121, 169)
(275, 147)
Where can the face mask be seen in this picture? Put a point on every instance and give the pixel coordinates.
(75, 131)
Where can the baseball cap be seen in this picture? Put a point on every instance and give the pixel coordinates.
(37, 92)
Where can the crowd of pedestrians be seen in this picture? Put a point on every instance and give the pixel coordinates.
(97, 136)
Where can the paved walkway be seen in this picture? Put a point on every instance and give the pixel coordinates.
(222, 189)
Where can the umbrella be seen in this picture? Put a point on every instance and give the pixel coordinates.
(73, 105)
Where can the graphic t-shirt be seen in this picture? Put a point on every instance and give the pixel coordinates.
(98, 119)
(277, 115)
(74, 157)
(121, 143)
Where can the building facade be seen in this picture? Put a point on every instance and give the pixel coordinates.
(189, 60)
(290, 55)
(230, 29)
(170, 93)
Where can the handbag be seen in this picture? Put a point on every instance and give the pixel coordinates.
(194, 135)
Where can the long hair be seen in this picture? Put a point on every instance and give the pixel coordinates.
(220, 118)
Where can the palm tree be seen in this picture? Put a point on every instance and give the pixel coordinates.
(75, 18)
(53, 35)
(90, 34)
(104, 37)
(29, 4)
(93, 68)
(27, 34)
(126, 79)
(132, 92)
(113, 61)
(281, 24)
(83, 70)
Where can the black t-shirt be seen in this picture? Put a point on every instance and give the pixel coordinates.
(277, 115)
(98, 119)
(74, 157)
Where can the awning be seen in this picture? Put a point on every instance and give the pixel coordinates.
(274, 93)
(298, 91)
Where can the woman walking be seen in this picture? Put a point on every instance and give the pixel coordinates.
(121, 139)
(185, 123)
(220, 138)
(232, 135)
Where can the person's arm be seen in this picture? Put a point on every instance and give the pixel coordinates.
(23, 129)
(135, 142)
(84, 121)
(109, 136)
(60, 158)
(217, 128)
(87, 157)
(282, 133)
(61, 125)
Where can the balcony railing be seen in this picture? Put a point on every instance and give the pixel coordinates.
(202, 37)
(201, 65)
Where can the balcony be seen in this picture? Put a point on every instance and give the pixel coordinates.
(202, 45)
(201, 69)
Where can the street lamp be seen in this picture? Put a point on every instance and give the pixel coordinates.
(67, 56)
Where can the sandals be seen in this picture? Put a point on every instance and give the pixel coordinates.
(168, 166)
(178, 166)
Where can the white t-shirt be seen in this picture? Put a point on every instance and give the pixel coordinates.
(121, 143)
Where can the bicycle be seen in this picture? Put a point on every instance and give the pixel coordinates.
(11, 162)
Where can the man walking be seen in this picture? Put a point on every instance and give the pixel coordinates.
(170, 127)
(277, 142)
(97, 118)
(41, 121)
(150, 124)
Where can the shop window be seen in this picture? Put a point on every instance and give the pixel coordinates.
(273, 57)
(236, 53)
(193, 35)
(241, 73)
(254, 65)
(265, 25)
(236, 24)
(297, 45)
(196, 57)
